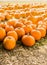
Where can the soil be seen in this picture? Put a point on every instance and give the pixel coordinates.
(22, 55)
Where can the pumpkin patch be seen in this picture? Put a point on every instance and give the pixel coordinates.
(26, 23)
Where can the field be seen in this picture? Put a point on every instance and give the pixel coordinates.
(23, 55)
(22, 1)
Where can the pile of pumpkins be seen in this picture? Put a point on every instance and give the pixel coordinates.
(27, 23)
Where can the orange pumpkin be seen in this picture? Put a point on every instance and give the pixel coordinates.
(36, 34)
(2, 33)
(13, 34)
(9, 43)
(20, 32)
(28, 40)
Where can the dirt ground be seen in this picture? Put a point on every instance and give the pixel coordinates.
(22, 55)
